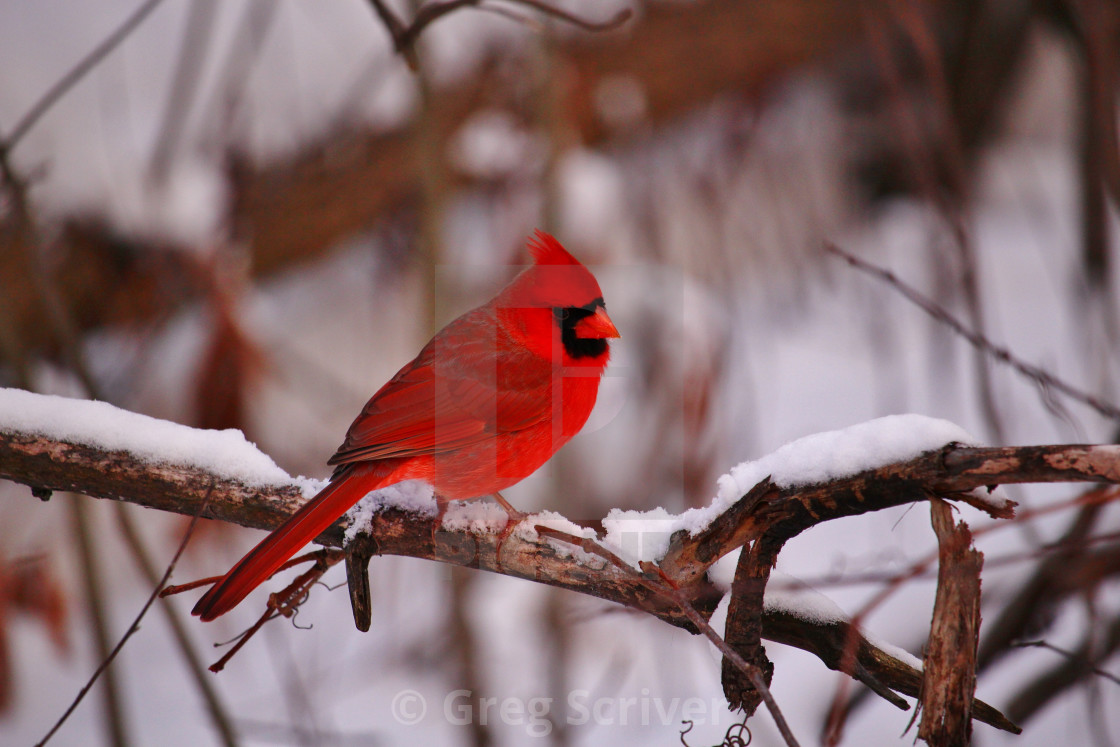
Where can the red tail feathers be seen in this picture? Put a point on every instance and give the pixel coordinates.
(263, 560)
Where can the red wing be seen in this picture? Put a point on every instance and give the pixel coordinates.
(437, 404)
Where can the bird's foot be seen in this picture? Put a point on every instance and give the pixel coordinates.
(515, 519)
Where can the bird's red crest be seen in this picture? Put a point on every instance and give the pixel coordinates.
(547, 250)
(556, 278)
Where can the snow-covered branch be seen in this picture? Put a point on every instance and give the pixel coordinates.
(959, 472)
(50, 443)
(55, 443)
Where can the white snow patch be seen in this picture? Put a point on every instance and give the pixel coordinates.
(475, 517)
(832, 455)
(896, 651)
(414, 496)
(820, 457)
(808, 604)
(802, 602)
(997, 497)
(101, 425)
(640, 535)
(527, 531)
(484, 517)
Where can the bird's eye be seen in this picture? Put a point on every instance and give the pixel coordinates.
(561, 313)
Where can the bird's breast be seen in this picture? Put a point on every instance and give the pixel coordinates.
(482, 468)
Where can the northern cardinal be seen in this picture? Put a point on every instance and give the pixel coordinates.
(487, 401)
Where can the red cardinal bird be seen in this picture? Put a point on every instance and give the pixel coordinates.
(486, 402)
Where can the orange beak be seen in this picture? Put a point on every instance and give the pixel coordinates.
(598, 326)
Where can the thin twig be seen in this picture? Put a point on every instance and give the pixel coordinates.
(405, 36)
(610, 24)
(188, 72)
(921, 568)
(135, 623)
(193, 661)
(244, 49)
(656, 579)
(1071, 655)
(393, 24)
(173, 589)
(91, 570)
(1044, 379)
(243, 638)
(75, 74)
(284, 603)
(753, 672)
(947, 201)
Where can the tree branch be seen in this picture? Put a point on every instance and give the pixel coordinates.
(75, 74)
(45, 465)
(954, 471)
(404, 37)
(1045, 380)
(950, 663)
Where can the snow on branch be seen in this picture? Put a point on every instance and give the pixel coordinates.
(57, 443)
(50, 443)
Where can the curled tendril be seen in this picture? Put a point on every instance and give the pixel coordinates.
(733, 737)
(297, 626)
